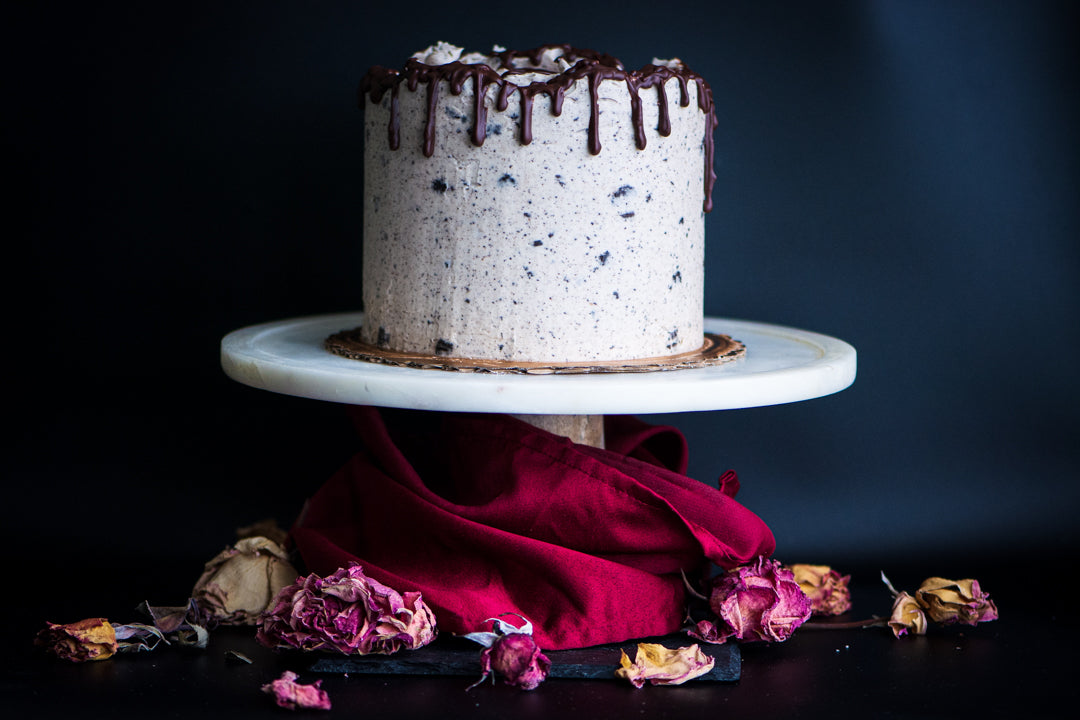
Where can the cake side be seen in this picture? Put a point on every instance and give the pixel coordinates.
(551, 217)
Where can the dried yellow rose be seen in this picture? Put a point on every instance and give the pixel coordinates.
(907, 616)
(827, 589)
(89, 639)
(955, 601)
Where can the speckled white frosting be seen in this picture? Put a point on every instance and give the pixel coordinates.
(540, 252)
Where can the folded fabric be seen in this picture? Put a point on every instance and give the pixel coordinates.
(486, 514)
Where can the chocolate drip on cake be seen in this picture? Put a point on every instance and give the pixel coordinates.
(518, 238)
(584, 65)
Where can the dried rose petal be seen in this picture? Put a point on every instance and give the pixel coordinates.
(292, 695)
(907, 616)
(346, 612)
(955, 601)
(238, 585)
(827, 589)
(706, 631)
(137, 637)
(760, 602)
(659, 665)
(182, 624)
(89, 639)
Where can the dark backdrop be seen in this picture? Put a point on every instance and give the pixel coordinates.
(902, 175)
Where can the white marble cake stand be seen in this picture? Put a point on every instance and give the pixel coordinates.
(781, 365)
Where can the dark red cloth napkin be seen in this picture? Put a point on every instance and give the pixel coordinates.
(485, 514)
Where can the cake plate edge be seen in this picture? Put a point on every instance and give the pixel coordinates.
(782, 364)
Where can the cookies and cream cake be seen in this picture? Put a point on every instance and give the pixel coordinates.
(540, 206)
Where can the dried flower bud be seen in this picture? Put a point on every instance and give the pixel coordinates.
(349, 613)
(238, 585)
(292, 695)
(512, 653)
(659, 665)
(907, 616)
(827, 589)
(89, 639)
(955, 601)
(760, 602)
(518, 660)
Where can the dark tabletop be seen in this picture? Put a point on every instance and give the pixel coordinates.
(1021, 664)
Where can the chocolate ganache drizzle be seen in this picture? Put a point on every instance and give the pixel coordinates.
(586, 65)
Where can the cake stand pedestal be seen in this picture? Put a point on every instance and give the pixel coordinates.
(781, 365)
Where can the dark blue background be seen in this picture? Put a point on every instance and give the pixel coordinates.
(902, 175)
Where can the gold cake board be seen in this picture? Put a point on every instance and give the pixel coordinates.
(715, 349)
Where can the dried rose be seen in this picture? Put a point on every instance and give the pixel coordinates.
(292, 695)
(659, 665)
(346, 612)
(512, 653)
(759, 602)
(89, 639)
(827, 589)
(238, 585)
(955, 601)
(907, 616)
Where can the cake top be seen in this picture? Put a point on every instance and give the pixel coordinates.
(550, 70)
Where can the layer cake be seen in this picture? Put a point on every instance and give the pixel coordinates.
(539, 206)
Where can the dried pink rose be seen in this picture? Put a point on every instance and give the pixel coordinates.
(89, 639)
(659, 665)
(955, 601)
(517, 659)
(759, 602)
(512, 653)
(827, 589)
(292, 695)
(241, 582)
(907, 617)
(347, 612)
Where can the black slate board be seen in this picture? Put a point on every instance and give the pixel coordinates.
(458, 657)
